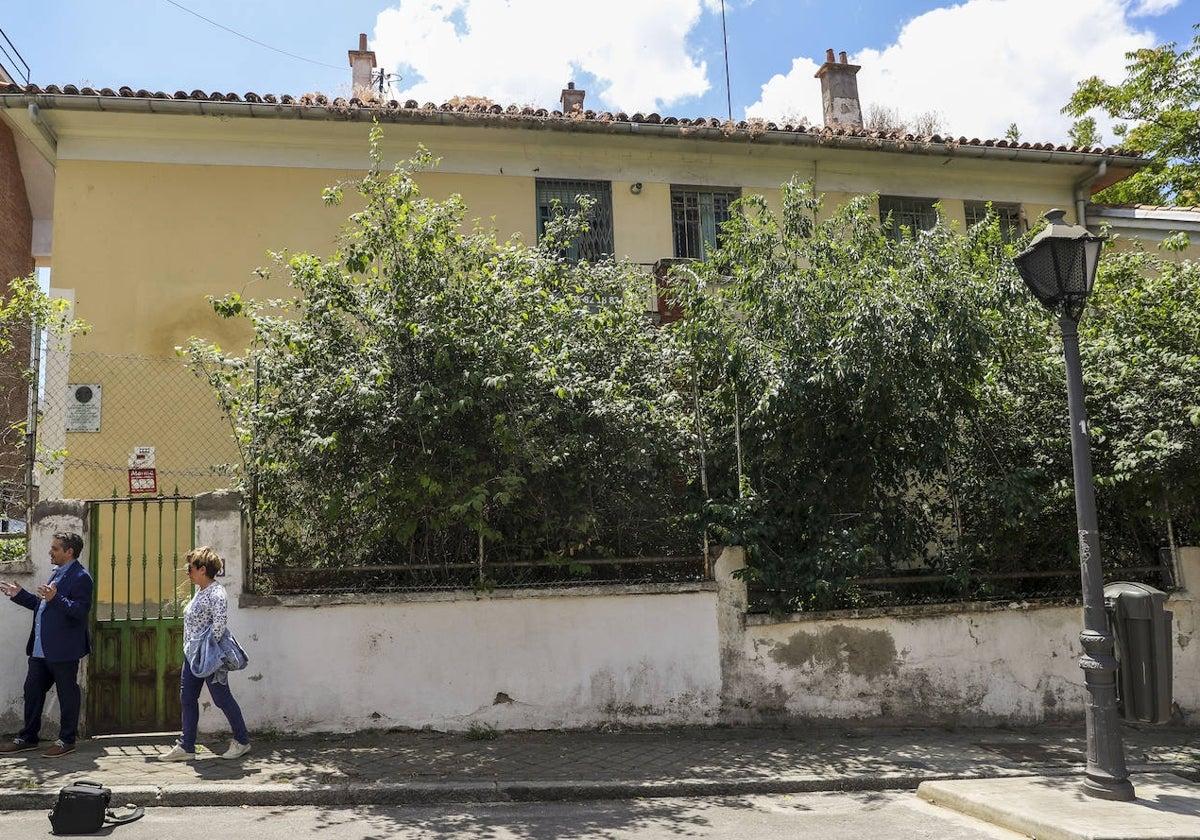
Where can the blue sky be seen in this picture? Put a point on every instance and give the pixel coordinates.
(978, 65)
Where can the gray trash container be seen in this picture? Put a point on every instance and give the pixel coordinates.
(1141, 628)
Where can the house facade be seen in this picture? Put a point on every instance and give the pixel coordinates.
(156, 201)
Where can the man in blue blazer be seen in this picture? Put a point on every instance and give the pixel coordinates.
(58, 640)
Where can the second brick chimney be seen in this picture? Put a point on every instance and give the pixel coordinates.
(571, 99)
(839, 92)
(362, 62)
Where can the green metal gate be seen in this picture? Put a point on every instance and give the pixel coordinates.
(136, 556)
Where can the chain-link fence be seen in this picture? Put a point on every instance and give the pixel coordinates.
(106, 421)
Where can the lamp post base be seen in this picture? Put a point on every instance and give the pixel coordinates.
(1118, 790)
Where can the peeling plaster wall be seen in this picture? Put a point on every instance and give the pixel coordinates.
(966, 668)
(972, 664)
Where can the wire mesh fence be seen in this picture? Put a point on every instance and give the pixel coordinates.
(99, 413)
(487, 576)
(457, 558)
(917, 588)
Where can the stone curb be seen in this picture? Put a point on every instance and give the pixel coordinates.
(430, 793)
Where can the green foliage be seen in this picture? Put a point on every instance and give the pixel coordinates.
(25, 307)
(1084, 132)
(1141, 349)
(481, 731)
(873, 406)
(13, 549)
(429, 394)
(1158, 105)
(866, 381)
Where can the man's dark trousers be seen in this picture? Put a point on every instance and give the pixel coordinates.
(64, 677)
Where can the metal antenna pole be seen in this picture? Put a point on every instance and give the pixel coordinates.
(725, 43)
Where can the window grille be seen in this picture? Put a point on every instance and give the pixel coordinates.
(1010, 217)
(697, 214)
(915, 214)
(597, 242)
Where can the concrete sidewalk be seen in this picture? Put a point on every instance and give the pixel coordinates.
(430, 767)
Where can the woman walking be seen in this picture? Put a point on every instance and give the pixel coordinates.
(208, 654)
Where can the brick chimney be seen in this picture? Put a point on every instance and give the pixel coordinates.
(571, 99)
(362, 62)
(839, 92)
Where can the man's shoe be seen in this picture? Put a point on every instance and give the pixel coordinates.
(177, 753)
(235, 750)
(17, 745)
(58, 749)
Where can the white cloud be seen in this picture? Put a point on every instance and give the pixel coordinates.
(1147, 8)
(981, 65)
(630, 55)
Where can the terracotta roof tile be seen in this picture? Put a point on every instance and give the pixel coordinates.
(393, 109)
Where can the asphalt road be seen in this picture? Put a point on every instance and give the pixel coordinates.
(832, 816)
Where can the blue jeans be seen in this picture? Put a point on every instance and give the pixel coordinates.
(63, 676)
(189, 700)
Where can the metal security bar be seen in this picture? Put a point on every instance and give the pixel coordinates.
(137, 550)
(597, 242)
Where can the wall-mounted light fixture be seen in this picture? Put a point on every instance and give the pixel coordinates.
(636, 188)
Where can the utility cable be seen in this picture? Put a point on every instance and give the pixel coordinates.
(251, 40)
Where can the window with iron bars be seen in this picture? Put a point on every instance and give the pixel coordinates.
(697, 214)
(597, 242)
(915, 214)
(1009, 214)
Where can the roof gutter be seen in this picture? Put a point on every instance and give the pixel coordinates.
(1082, 194)
(352, 113)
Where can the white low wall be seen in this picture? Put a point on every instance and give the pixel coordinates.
(948, 664)
(509, 660)
(581, 658)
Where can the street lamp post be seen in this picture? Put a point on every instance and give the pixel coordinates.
(1059, 266)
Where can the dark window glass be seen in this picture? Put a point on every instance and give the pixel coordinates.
(1010, 217)
(697, 214)
(915, 214)
(597, 243)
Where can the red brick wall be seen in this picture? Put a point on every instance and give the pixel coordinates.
(16, 260)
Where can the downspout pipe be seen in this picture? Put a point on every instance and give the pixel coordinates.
(1083, 194)
(35, 117)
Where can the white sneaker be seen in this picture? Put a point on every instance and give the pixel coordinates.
(235, 750)
(177, 753)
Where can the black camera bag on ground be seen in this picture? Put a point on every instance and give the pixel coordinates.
(82, 808)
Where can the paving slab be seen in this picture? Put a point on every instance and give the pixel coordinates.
(393, 767)
(1056, 808)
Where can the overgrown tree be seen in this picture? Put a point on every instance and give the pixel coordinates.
(1158, 108)
(873, 405)
(1141, 348)
(24, 311)
(854, 394)
(429, 395)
